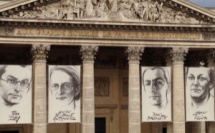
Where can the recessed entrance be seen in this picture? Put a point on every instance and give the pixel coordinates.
(100, 125)
(164, 130)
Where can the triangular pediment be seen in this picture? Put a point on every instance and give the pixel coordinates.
(147, 11)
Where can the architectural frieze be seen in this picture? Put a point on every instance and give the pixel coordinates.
(107, 10)
(64, 33)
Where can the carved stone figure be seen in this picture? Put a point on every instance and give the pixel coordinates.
(79, 8)
(101, 9)
(124, 9)
(112, 5)
(51, 13)
(144, 14)
(89, 8)
(110, 10)
(65, 2)
(154, 11)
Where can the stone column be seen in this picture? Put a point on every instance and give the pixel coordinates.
(178, 55)
(211, 63)
(169, 125)
(88, 105)
(134, 116)
(40, 88)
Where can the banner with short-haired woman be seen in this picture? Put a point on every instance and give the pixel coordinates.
(156, 94)
(199, 88)
(15, 94)
(64, 94)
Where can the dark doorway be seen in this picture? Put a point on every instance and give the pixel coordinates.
(164, 130)
(12, 131)
(100, 125)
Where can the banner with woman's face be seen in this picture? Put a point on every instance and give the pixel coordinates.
(64, 94)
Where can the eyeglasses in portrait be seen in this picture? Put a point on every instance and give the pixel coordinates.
(15, 94)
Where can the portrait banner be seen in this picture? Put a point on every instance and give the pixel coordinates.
(156, 94)
(15, 94)
(199, 83)
(64, 94)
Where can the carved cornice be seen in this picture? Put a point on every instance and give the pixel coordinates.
(178, 54)
(88, 52)
(183, 6)
(40, 52)
(134, 53)
(13, 23)
(18, 6)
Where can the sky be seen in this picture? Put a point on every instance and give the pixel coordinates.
(204, 3)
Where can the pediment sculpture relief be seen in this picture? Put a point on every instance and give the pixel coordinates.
(109, 10)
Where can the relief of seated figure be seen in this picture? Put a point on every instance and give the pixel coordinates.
(124, 9)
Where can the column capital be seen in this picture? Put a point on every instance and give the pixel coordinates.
(211, 57)
(40, 52)
(178, 54)
(88, 52)
(211, 54)
(134, 53)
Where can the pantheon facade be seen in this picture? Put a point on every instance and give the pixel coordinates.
(111, 40)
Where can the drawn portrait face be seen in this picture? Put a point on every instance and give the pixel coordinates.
(156, 86)
(14, 83)
(62, 86)
(198, 82)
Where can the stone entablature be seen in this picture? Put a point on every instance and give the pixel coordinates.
(64, 33)
(103, 10)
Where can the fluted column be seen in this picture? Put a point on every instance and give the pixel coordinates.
(178, 56)
(134, 116)
(88, 105)
(40, 92)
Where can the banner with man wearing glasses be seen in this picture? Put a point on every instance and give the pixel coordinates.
(15, 94)
(64, 94)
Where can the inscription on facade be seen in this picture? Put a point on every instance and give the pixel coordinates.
(105, 34)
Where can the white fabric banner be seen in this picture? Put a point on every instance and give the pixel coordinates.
(64, 94)
(199, 93)
(15, 94)
(156, 94)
